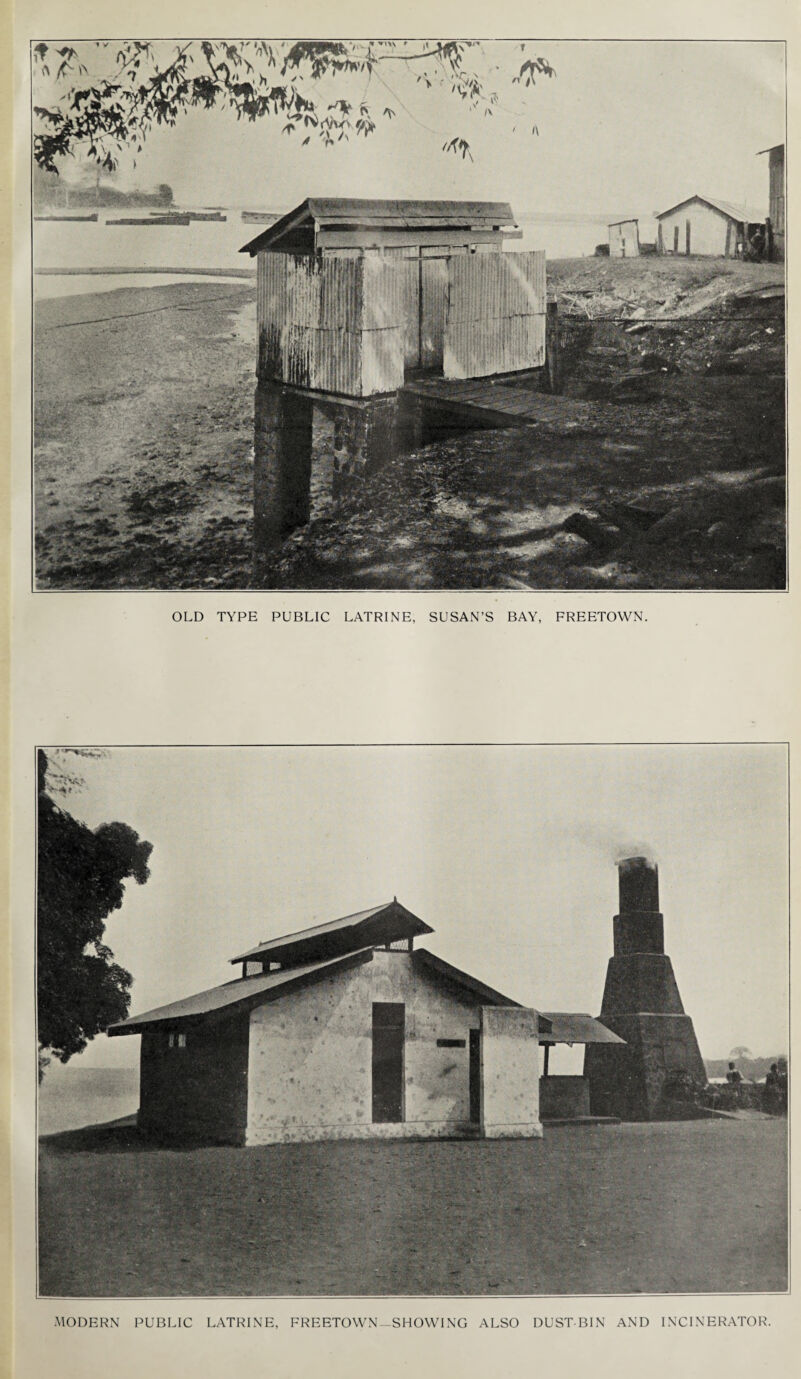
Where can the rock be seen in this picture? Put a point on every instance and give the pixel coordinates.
(592, 529)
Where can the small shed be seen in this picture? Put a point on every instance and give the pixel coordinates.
(706, 226)
(340, 1031)
(354, 295)
(624, 239)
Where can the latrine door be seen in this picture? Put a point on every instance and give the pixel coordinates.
(389, 1023)
(433, 298)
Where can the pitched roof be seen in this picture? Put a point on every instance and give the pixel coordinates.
(347, 211)
(570, 1028)
(246, 992)
(471, 985)
(739, 213)
(387, 923)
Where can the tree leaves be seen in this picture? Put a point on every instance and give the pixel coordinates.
(458, 146)
(147, 84)
(81, 875)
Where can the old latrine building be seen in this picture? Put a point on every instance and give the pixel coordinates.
(354, 296)
(347, 1030)
(706, 226)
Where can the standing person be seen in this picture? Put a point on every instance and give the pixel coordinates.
(734, 1079)
(771, 1100)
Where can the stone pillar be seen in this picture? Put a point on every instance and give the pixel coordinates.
(510, 1073)
(282, 450)
(365, 437)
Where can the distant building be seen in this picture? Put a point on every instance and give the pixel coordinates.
(346, 1031)
(624, 239)
(776, 197)
(703, 225)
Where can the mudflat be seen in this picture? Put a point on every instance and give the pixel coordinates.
(143, 424)
(682, 1207)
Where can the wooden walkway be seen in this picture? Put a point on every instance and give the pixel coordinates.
(484, 401)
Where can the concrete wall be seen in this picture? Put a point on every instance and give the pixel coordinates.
(510, 1073)
(709, 230)
(311, 1057)
(199, 1091)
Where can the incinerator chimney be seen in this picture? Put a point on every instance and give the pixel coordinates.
(641, 1003)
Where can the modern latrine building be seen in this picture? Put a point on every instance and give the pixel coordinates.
(349, 1030)
(354, 296)
(706, 226)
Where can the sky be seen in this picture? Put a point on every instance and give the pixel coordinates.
(507, 852)
(623, 127)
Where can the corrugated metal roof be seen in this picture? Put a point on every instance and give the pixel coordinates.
(246, 990)
(399, 923)
(387, 214)
(487, 996)
(570, 1028)
(739, 213)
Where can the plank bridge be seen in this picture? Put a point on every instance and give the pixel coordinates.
(492, 403)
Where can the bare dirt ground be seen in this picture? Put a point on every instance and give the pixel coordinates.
(684, 1207)
(674, 477)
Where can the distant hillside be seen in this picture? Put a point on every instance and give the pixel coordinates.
(51, 192)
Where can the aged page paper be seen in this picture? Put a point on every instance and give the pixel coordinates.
(403, 739)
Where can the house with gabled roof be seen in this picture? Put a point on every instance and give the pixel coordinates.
(347, 1030)
(708, 226)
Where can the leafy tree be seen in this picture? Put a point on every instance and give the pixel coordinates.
(103, 97)
(80, 989)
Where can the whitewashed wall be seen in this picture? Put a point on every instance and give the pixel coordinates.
(708, 230)
(310, 1057)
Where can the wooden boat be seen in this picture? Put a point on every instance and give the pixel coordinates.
(91, 217)
(151, 220)
(259, 217)
(195, 215)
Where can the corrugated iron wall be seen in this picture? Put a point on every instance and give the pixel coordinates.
(333, 324)
(496, 314)
(350, 325)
